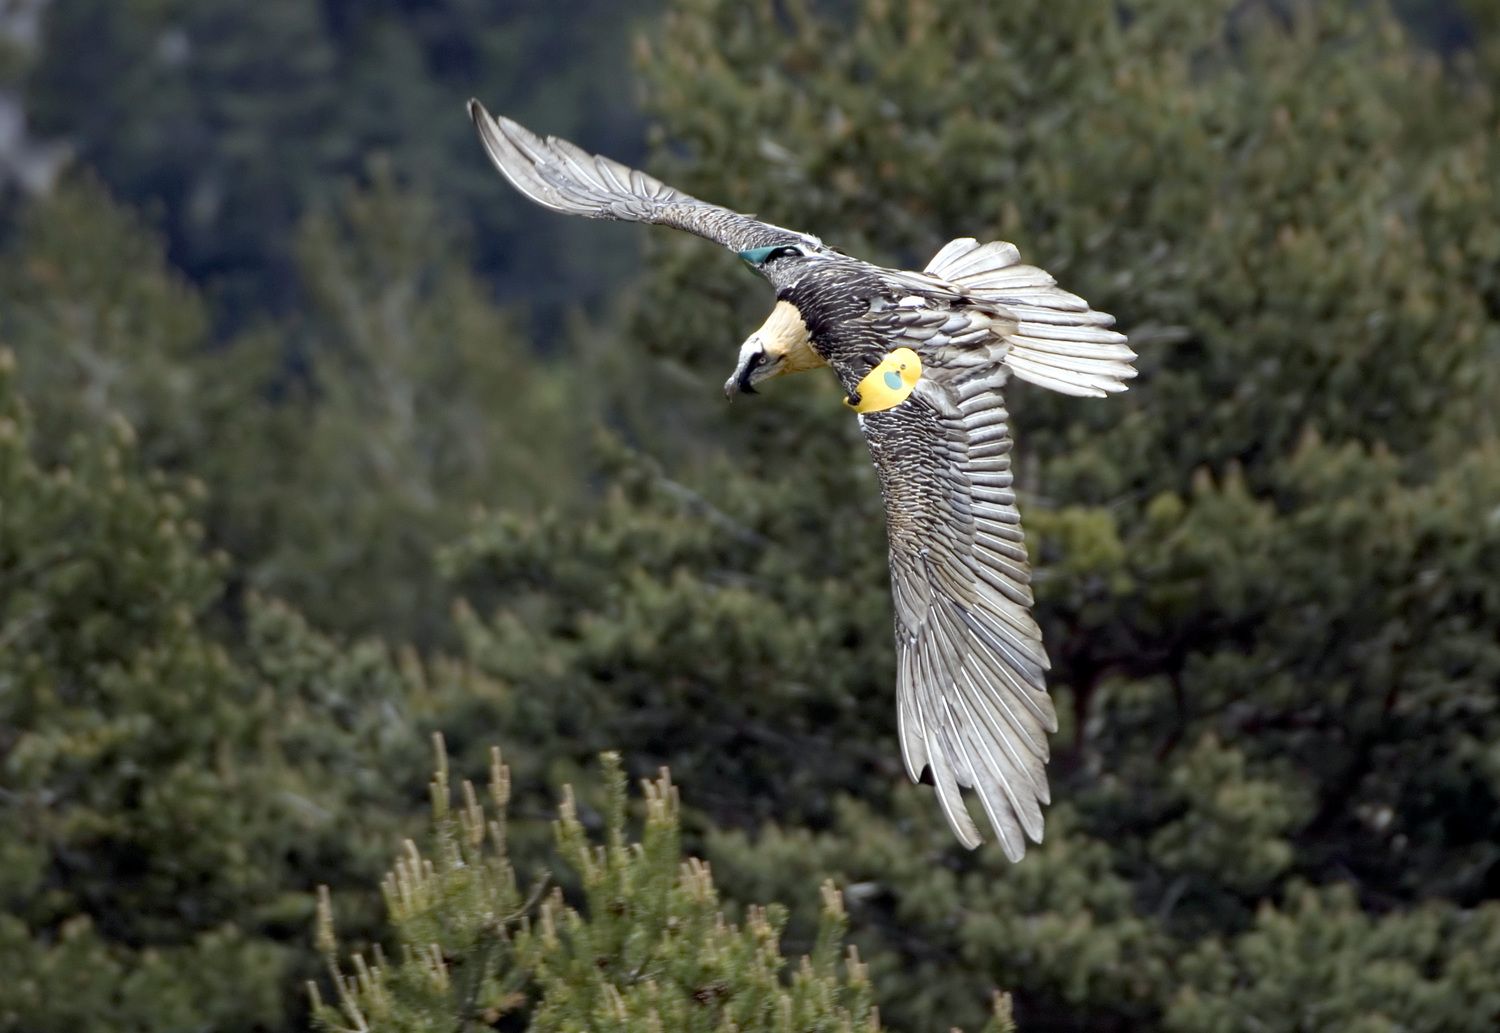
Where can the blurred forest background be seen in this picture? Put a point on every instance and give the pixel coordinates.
(316, 438)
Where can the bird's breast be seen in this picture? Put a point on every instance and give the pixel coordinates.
(787, 335)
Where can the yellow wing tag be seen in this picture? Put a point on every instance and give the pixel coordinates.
(888, 384)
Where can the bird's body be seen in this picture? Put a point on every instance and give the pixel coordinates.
(922, 358)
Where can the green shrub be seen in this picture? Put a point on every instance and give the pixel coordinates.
(648, 947)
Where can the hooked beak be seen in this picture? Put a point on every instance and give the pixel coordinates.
(754, 366)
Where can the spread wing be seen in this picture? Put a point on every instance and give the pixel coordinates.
(972, 703)
(565, 178)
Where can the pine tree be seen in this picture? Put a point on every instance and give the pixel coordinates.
(105, 326)
(235, 122)
(650, 949)
(339, 448)
(421, 400)
(167, 799)
(1261, 573)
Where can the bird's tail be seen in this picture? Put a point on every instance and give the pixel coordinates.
(1059, 342)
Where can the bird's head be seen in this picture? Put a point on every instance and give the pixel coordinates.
(781, 345)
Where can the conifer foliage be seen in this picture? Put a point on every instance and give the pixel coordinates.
(1262, 573)
(164, 799)
(1265, 575)
(650, 948)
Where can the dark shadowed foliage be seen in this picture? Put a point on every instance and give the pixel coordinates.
(284, 489)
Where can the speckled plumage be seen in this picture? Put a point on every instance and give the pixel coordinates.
(972, 704)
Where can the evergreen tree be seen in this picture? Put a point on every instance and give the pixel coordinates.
(166, 799)
(421, 401)
(651, 950)
(330, 481)
(234, 121)
(1262, 573)
(105, 326)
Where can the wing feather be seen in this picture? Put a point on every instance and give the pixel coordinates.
(565, 178)
(908, 723)
(1058, 342)
(972, 704)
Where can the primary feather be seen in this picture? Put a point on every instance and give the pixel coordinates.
(563, 177)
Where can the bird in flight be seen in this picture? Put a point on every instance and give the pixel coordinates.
(922, 357)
